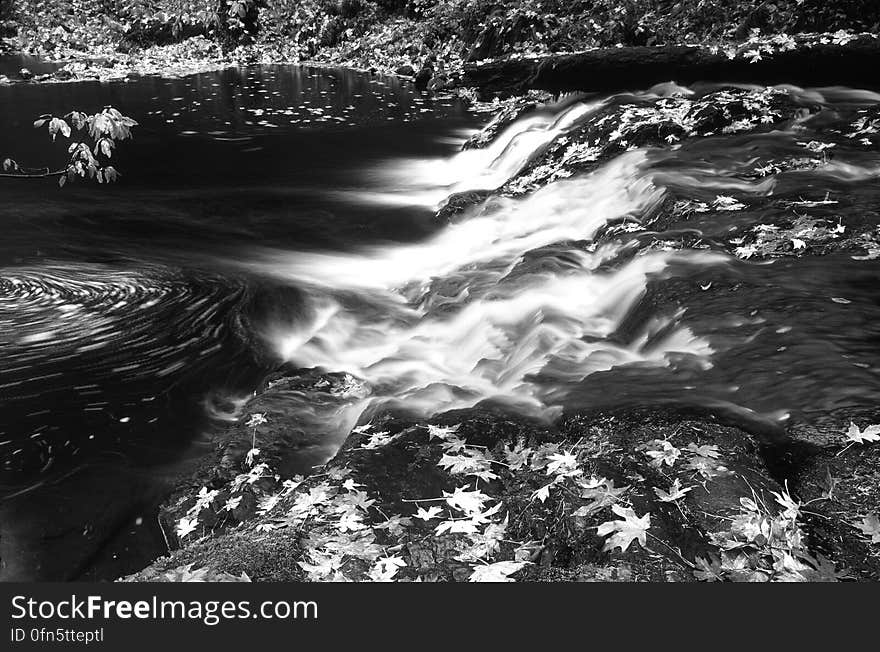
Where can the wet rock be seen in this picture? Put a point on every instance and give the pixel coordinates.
(811, 63)
(269, 557)
(622, 124)
(821, 465)
(500, 121)
(405, 71)
(456, 204)
(393, 468)
(423, 77)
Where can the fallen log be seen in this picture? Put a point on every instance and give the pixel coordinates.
(811, 63)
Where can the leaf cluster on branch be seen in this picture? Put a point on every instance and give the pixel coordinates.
(88, 158)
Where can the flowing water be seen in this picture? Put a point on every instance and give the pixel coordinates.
(287, 215)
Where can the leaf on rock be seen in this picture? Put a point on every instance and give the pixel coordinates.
(870, 526)
(624, 532)
(428, 514)
(869, 434)
(676, 492)
(500, 571)
(662, 452)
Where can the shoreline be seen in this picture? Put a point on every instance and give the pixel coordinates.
(592, 69)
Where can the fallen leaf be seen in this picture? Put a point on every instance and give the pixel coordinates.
(500, 571)
(624, 532)
(870, 526)
(676, 492)
(869, 434)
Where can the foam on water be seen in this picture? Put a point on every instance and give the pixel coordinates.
(498, 306)
(427, 182)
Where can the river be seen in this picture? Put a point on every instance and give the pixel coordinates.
(276, 214)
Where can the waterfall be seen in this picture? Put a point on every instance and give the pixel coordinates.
(501, 305)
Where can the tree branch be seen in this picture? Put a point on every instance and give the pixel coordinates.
(32, 175)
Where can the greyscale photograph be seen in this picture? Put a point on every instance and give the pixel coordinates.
(439, 291)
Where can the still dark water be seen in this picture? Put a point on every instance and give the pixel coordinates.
(284, 214)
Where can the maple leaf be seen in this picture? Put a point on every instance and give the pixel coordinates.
(336, 473)
(361, 544)
(428, 514)
(676, 492)
(602, 495)
(726, 203)
(395, 524)
(457, 526)
(485, 543)
(710, 450)
(792, 507)
(541, 456)
(203, 500)
(268, 503)
(500, 571)
(378, 440)
(789, 568)
(543, 493)
(350, 522)
(453, 444)
(749, 527)
(706, 467)
(186, 526)
(232, 503)
(468, 525)
(386, 568)
(351, 485)
(870, 526)
(708, 571)
(869, 434)
(517, 458)
(323, 565)
(470, 462)
(442, 432)
(355, 500)
(662, 452)
(469, 502)
(562, 464)
(306, 502)
(624, 532)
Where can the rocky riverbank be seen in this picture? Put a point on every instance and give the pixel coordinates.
(646, 494)
(505, 47)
